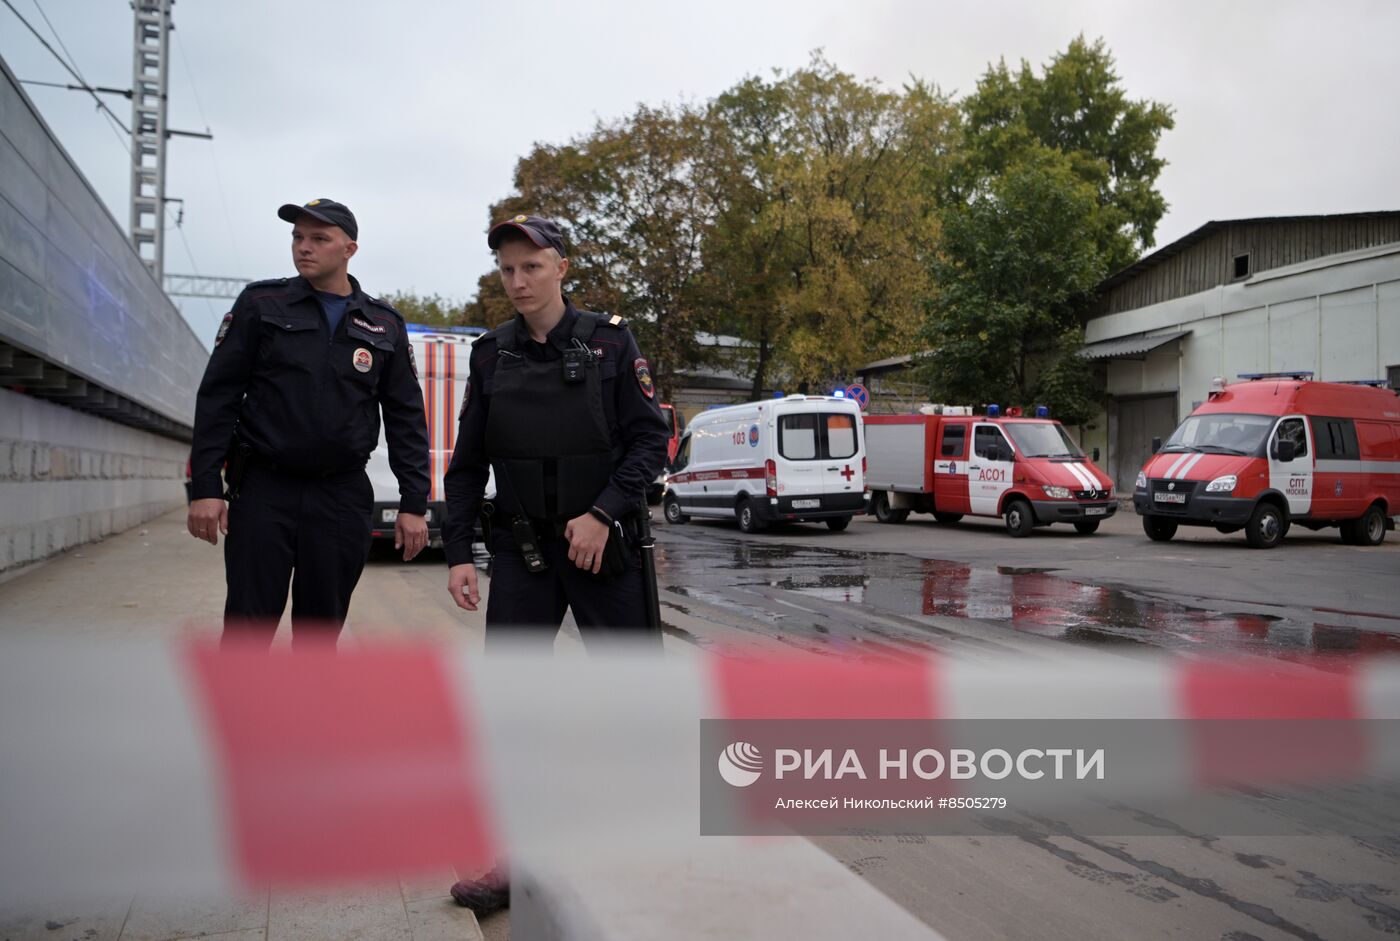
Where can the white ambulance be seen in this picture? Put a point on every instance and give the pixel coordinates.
(794, 459)
(443, 356)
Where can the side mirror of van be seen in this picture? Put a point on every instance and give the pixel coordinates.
(1287, 451)
(1095, 456)
(1156, 445)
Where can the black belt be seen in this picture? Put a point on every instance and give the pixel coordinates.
(257, 460)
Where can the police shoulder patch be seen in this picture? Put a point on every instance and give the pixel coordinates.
(643, 373)
(412, 363)
(466, 396)
(224, 326)
(384, 305)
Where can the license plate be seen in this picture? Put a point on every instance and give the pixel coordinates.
(1169, 497)
(392, 516)
(806, 504)
(1096, 511)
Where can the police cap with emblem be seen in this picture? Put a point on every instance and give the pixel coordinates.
(543, 233)
(323, 210)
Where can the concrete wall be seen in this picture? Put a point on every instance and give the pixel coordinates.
(72, 289)
(77, 302)
(67, 478)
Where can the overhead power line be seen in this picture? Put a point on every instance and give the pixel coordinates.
(102, 105)
(124, 92)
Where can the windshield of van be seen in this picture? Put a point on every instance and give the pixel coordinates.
(1042, 439)
(1221, 433)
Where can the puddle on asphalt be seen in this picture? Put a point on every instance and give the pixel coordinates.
(1034, 600)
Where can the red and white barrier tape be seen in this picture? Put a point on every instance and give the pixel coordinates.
(192, 768)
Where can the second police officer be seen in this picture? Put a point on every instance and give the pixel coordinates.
(561, 404)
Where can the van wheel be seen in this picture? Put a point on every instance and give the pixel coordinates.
(887, 514)
(1348, 531)
(1265, 528)
(947, 519)
(1158, 529)
(1087, 527)
(748, 517)
(1370, 529)
(837, 523)
(1019, 518)
(672, 510)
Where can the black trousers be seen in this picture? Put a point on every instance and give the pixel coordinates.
(524, 609)
(313, 534)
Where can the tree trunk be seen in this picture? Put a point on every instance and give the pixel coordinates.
(761, 373)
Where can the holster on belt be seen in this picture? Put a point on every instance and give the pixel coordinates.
(618, 554)
(487, 518)
(240, 458)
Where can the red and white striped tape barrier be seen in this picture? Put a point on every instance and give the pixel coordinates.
(193, 768)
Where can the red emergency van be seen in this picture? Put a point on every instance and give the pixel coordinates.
(1277, 449)
(952, 463)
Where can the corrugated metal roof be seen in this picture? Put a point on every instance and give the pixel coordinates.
(1186, 241)
(892, 363)
(1129, 347)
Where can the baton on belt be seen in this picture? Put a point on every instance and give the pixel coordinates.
(647, 545)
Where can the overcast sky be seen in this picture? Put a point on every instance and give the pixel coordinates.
(414, 113)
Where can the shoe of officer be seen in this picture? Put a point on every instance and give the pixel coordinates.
(489, 893)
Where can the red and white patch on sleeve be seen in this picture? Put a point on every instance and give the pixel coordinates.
(639, 366)
(224, 328)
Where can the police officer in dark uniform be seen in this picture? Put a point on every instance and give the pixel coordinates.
(289, 411)
(561, 403)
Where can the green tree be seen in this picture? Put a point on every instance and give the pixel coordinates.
(634, 219)
(1053, 188)
(1078, 108)
(1017, 262)
(431, 309)
(820, 253)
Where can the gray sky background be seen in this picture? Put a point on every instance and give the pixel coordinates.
(415, 113)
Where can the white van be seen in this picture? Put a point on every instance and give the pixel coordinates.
(443, 356)
(797, 459)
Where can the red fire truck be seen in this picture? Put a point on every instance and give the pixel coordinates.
(949, 462)
(673, 421)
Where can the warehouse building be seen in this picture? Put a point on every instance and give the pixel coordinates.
(1317, 294)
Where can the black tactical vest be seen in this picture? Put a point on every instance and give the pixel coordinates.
(547, 433)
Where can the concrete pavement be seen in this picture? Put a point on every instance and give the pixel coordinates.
(158, 580)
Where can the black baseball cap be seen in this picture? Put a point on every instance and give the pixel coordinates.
(542, 232)
(324, 210)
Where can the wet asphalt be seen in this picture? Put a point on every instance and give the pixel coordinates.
(892, 588)
(879, 590)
